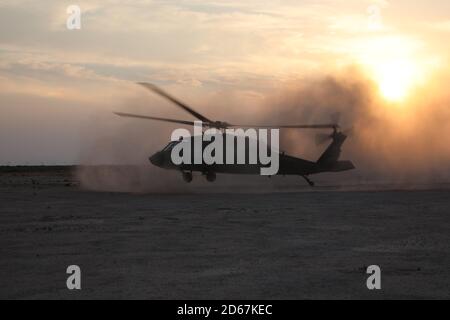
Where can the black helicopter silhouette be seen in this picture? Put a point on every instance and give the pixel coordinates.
(288, 165)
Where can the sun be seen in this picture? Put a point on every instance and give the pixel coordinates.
(395, 78)
(394, 62)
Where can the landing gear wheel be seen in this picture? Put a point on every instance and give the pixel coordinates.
(311, 183)
(211, 176)
(187, 176)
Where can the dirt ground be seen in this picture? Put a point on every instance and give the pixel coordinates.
(276, 245)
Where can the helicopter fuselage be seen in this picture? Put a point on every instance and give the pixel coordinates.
(288, 165)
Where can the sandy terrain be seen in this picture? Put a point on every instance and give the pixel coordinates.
(290, 245)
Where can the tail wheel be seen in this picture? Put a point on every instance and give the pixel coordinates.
(211, 176)
(187, 176)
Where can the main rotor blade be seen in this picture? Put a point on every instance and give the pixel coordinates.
(129, 115)
(164, 94)
(299, 126)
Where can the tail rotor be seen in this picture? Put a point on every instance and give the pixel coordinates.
(322, 138)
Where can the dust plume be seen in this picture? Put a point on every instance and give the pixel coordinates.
(116, 150)
(404, 142)
(394, 142)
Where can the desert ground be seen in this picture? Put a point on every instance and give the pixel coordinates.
(291, 244)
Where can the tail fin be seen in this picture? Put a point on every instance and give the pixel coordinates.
(329, 159)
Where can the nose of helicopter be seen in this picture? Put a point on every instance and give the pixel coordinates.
(157, 159)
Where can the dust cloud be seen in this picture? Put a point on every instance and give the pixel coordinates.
(405, 142)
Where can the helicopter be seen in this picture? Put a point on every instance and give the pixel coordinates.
(287, 165)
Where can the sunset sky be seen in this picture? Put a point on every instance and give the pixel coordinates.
(55, 81)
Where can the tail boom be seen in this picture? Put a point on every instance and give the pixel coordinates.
(329, 160)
